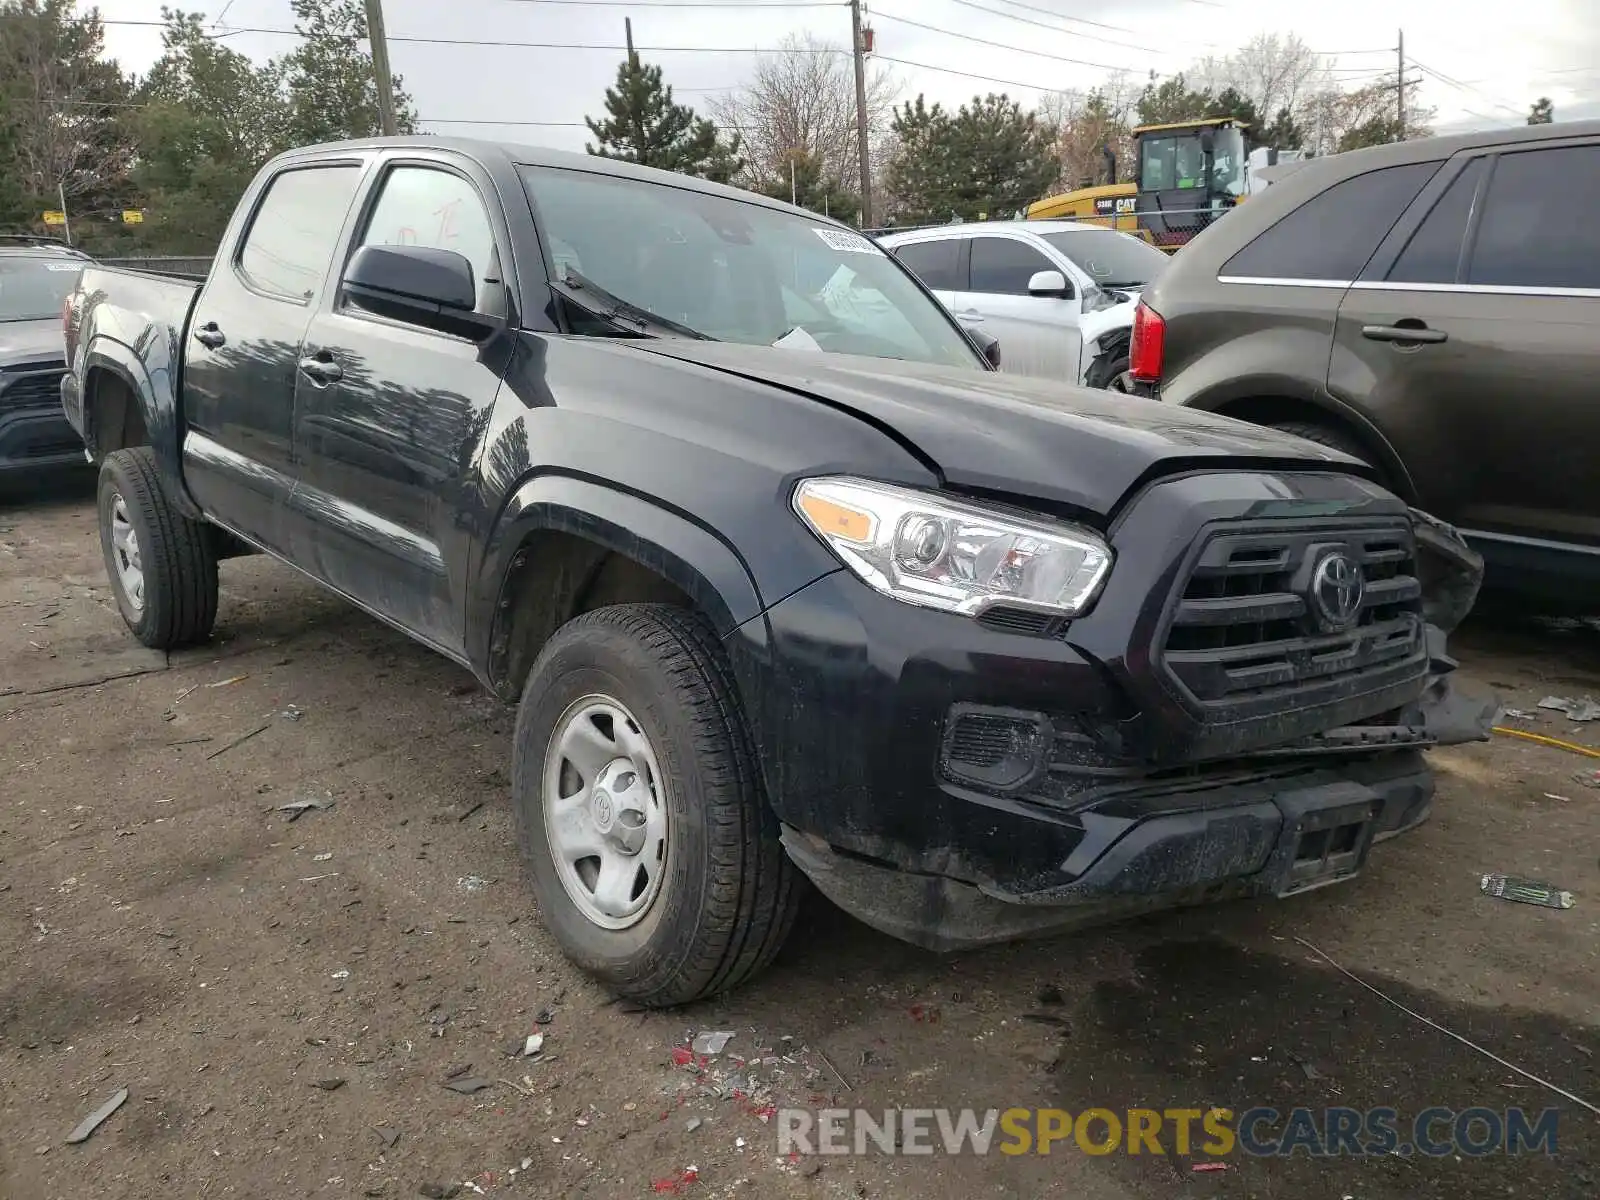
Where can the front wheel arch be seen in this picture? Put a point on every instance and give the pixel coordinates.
(1283, 411)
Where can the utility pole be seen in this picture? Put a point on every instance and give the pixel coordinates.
(66, 221)
(1400, 87)
(861, 113)
(380, 67)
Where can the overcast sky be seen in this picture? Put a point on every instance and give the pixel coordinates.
(1499, 58)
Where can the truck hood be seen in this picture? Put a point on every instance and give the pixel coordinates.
(1011, 434)
(31, 341)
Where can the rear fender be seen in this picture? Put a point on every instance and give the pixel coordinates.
(152, 379)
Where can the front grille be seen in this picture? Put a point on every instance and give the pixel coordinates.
(1247, 628)
(30, 387)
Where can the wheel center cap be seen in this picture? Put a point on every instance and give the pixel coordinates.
(603, 810)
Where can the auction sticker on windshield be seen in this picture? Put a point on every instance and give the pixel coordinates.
(843, 239)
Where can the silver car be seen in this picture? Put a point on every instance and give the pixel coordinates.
(1058, 295)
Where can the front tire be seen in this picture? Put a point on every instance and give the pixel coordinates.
(162, 568)
(644, 826)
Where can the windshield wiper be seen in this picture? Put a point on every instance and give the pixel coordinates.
(586, 292)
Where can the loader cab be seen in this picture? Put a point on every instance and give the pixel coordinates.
(1189, 173)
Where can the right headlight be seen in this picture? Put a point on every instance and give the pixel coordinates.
(939, 553)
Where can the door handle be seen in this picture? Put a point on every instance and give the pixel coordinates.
(209, 336)
(970, 316)
(1402, 334)
(321, 368)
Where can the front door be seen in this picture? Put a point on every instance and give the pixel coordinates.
(1478, 342)
(389, 415)
(244, 341)
(1038, 335)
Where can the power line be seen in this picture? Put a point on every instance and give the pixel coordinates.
(906, 62)
(967, 37)
(1464, 88)
(995, 12)
(1060, 16)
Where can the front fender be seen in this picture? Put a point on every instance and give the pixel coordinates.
(698, 561)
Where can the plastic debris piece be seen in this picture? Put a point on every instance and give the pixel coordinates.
(458, 1071)
(97, 1118)
(321, 857)
(390, 1137)
(341, 973)
(682, 1056)
(328, 1085)
(544, 1016)
(1589, 779)
(1525, 891)
(1576, 710)
(222, 683)
(1209, 1166)
(472, 883)
(299, 808)
(692, 1124)
(440, 1191)
(467, 1086)
(533, 1045)
(712, 1043)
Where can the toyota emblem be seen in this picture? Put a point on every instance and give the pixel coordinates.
(1337, 589)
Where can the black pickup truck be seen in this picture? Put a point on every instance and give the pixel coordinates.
(787, 582)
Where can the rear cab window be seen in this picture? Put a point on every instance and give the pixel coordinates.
(291, 239)
(1330, 237)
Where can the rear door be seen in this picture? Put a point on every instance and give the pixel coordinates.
(244, 342)
(1038, 334)
(1473, 333)
(388, 414)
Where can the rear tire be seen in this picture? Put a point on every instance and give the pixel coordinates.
(1325, 435)
(665, 761)
(162, 569)
(1112, 376)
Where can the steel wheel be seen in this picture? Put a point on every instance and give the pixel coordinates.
(604, 817)
(1121, 382)
(125, 547)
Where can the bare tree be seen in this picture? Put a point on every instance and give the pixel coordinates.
(801, 101)
(1090, 123)
(1276, 74)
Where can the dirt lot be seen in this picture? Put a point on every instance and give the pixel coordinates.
(165, 929)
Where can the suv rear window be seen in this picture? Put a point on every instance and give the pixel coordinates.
(1433, 254)
(1539, 227)
(1331, 236)
(936, 263)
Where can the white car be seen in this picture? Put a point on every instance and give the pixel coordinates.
(1058, 295)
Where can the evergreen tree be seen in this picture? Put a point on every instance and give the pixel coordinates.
(644, 125)
(333, 93)
(987, 160)
(1542, 112)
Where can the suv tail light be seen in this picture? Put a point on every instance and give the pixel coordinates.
(1149, 344)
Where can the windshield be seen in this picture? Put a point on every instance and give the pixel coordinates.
(34, 288)
(739, 272)
(1176, 161)
(1109, 258)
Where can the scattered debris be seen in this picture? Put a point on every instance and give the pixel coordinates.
(97, 1118)
(222, 683)
(1586, 751)
(677, 1185)
(692, 1124)
(845, 1083)
(1310, 1070)
(299, 808)
(322, 857)
(341, 973)
(292, 713)
(712, 1043)
(927, 1014)
(1209, 1166)
(238, 741)
(544, 1016)
(1521, 714)
(472, 883)
(315, 878)
(1431, 1024)
(1525, 891)
(390, 1137)
(1589, 779)
(466, 810)
(457, 1072)
(533, 1045)
(1050, 994)
(1576, 710)
(440, 1191)
(1055, 1019)
(468, 1086)
(328, 1085)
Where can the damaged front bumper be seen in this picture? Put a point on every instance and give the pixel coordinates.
(888, 734)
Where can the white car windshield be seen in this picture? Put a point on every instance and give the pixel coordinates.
(735, 271)
(32, 289)
(1109, 258)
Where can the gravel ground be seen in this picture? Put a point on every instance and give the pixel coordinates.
(286, 1000)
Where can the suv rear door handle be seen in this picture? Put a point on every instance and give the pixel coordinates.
(209, 336)
(321, 368)
(971, 316)
(1413, 334)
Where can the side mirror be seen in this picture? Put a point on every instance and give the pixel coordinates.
(988, 346)
(418, 284)
(1049, 283)
(1208, 142)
